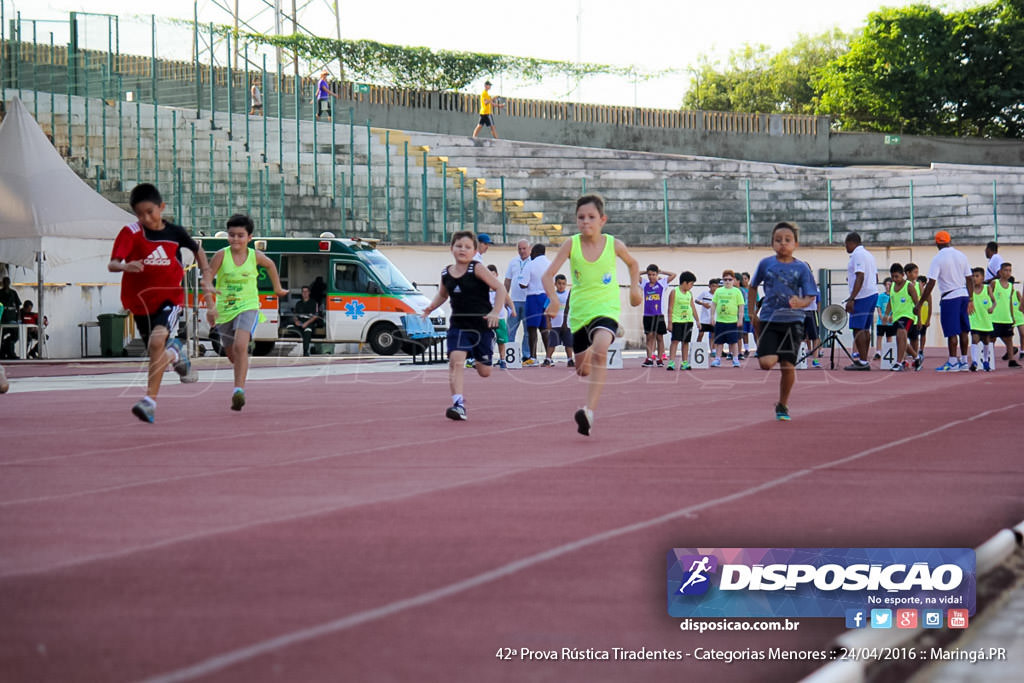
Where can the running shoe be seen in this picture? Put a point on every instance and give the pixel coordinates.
(547, 363)
(470, 362)
(815, 363)
(664, 357)
(716, 363)
(685, 365)
(182, 366)
(238, 399)
(948, 367)
(502, 365)
(781, 412)
(974, 367)
(898, 367)
(660, 363)
(571, 363)
(878, 356)
(584, 420)
(529, 361)
(858, 366)
(1014, 364)
(145, 411)
(456, 412)
(985, 366)
(649, 363)
(736, 362)
(918, 363)
(670, 366)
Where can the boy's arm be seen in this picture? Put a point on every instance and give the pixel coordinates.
(925, 296)
(693, 307)
(565, 318)
(549, 278)
(671, 303)
(488, 278)
(265, 261)
(439, 298)
(668, 275)
(206, 278)
(635, 296)
(739, 310)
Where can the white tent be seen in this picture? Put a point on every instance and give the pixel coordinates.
(55, 233)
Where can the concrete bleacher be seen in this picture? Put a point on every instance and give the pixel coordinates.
(710, 202)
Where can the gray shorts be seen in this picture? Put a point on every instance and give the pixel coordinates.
(246, 320)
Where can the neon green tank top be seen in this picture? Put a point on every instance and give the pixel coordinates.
(595, 285)
(981, 319)
(902, 304)
(237, 285)
(1004, 303)
(682, 311)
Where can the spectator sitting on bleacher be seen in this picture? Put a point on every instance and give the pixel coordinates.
(30, 317)
(306, 314)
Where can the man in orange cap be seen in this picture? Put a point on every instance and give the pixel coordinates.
(951, 271)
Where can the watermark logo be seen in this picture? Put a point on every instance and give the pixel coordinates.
(821, 582)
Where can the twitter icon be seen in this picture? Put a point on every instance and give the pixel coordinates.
(881, 618)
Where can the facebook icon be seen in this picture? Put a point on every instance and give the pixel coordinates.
(856, 618)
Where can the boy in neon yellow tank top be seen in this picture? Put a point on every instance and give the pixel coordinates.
(237, 310)
(1002, 294)
(595, 308)
(900, 310)
(683, 314)
(982, 346)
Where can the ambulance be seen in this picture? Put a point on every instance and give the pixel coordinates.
(364, 294)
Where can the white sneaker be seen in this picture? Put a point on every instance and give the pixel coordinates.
(456, 412)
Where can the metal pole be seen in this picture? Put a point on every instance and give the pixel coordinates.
(664, 203)
(263, 112)
(156, 103)
(53, 78)
(86, 103)
(213, 105)
(280, 123)
(213, 224)
(3, 42)
(282, 206)
(995, 213)
(344, 209)
(747, 192)
(405, 157)
(911, 211)
(504, 233)
(174, 161)
(334, 156)
(828, 188)
(352, 160)
(231, 181)
(103, 122)
(138, 140)
(423, 197)
(247, 91)
(387, 180)
(230, 77)
(35, 77)
(195, 58)
(476, 207)
(369, 179)
(583, 186)
(444, 202)
(248, 185)
(462, 201)
(316, 170)
(178, 190)
(192, 189)
(263, 202)
(70, 79)
(298, 120)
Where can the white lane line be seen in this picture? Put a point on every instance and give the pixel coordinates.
(222, 661)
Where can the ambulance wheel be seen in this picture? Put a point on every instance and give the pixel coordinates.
(384, 339)
(262, 348)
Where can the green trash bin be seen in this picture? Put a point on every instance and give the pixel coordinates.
(111, 334)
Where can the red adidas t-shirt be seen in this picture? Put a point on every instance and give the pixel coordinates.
(160, 253)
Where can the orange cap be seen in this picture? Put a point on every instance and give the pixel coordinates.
(942, 237)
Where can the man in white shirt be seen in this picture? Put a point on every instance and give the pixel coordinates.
(952, 273)
(862, 277)
(995, 262)
(483, 241)
(517, 295)
(532, 282)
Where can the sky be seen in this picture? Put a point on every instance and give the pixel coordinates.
(654, 35)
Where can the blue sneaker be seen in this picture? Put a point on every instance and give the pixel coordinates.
(145, 411)
(985, 366)
(781, 412)
(948, 367)
(182, 366)
(716, 363)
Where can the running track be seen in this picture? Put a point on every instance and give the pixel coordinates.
(339, 528)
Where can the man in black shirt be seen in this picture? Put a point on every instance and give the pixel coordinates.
(306, 314)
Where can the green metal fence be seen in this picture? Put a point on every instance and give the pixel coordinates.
(183, 122)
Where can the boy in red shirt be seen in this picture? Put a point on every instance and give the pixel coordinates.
(148, 253)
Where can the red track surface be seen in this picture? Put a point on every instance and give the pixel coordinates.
(342, 529)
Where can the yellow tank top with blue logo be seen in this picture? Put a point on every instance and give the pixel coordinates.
(981, 320)
(595, 285)
(682, 311)
(901, 303)
(237, 286)
(1003, 297)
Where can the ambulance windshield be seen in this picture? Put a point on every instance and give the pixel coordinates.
(385, 270)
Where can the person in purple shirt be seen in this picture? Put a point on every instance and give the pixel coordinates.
(323, 96)
(655, 291)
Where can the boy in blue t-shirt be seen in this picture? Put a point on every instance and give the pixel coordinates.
(788, 287)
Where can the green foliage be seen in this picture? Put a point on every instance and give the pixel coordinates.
(420, 68)
(917, 70)
(757, 81)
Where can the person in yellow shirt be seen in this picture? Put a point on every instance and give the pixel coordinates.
(487, 106)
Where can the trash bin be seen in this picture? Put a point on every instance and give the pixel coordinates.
(111, 334)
